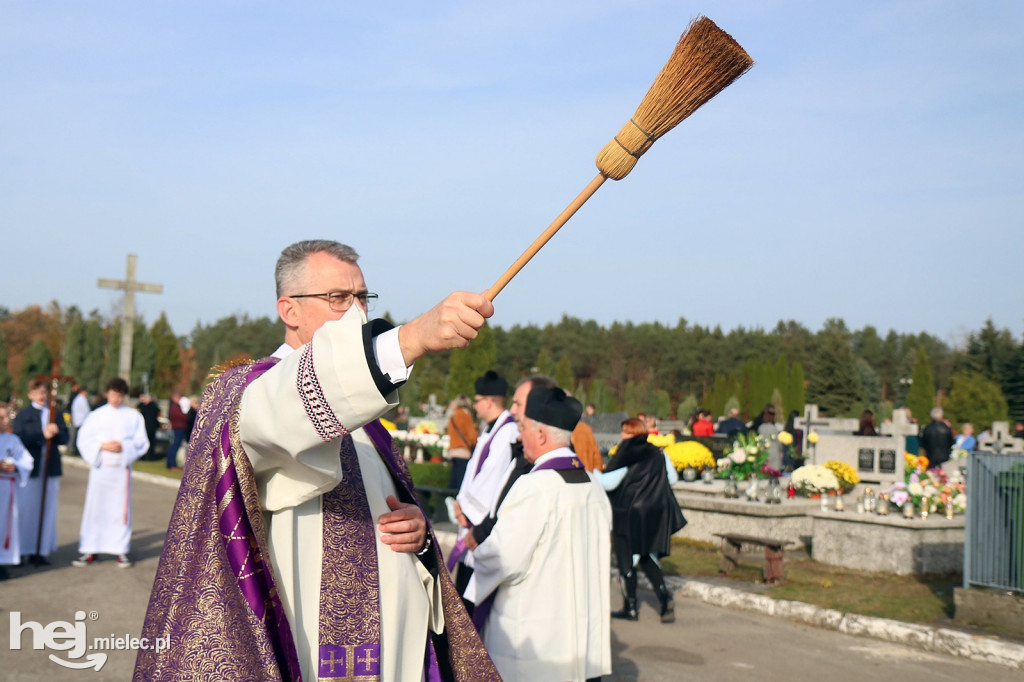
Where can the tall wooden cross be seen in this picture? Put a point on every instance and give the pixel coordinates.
(129, 285)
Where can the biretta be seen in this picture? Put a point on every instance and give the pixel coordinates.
(554, 407)
(491, 384)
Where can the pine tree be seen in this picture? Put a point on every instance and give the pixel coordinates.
(167, 362)
(601, 397)
(467, 365)
(143, 357)
(921, 397)
(1013, 384)
(796, 395)
(543, 363)
(563, 373)
(38, 361)
(662, 406)
(834, 384)
(74, 340)
(975, 398)
(686, 408)
(92, 356)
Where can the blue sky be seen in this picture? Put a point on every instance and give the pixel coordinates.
(868, 167)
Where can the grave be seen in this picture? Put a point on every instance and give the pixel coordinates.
(888, 544)
(876, 459)
(708, 514)
(1000, 440)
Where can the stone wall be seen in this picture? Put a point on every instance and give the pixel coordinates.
(889, 544)
(707, 515)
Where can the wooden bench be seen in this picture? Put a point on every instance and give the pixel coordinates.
(774, 554)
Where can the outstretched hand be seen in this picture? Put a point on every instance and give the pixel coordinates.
(403, 528)
(452, 323)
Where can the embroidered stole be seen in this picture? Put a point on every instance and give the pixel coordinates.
(349, 639)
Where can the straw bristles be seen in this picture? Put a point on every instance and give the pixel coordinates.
(706, 60)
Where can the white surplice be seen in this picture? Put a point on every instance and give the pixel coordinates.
(11, 485)
(549, 558)
(107, 515)
(478, 494)
(295, 466)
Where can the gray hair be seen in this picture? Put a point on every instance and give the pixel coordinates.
(557, 436)
(291, 266)
(936, 413)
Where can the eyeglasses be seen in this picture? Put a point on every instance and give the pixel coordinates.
(340, 301)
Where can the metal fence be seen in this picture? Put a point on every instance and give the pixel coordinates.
(994, 542)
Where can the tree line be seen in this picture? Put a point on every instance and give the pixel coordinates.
(646, 367)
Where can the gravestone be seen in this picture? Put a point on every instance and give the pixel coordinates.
(876, 459)
(1000, 441)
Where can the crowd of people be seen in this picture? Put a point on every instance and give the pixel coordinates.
(109, 436)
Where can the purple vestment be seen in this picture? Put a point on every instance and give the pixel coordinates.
(215, 594)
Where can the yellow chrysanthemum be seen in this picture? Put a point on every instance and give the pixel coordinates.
(845, 474)
(690, 454)
(661, 440)
(390, 426)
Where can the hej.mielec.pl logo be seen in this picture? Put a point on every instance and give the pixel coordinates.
(71, 637)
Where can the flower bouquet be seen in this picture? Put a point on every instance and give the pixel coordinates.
(747, 457)
(815, 479)
(928, 489)
(845, 474)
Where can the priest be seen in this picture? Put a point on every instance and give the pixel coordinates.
(548, 553)
(297, 548)
(487, 470)
(15, 468)
(111, 438)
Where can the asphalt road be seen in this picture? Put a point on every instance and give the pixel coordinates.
(706, 643)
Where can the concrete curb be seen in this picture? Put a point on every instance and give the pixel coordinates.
(940, 640)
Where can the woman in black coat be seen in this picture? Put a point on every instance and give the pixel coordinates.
(645, 514)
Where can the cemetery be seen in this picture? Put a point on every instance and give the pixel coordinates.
(854, 530)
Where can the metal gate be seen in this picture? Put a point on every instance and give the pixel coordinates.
(994, 538)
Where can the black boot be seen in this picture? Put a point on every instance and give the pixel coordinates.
(628, 610)
(668, 606)
(629, 604)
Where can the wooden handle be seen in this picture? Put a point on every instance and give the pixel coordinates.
(546, 235)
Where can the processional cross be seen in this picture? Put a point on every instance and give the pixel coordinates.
(129, 285)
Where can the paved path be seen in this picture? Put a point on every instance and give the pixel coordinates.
(707, 642)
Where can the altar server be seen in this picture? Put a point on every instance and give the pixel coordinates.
(111, 438)
(548, 554)
(33, 426)
(15, 468)
(487, 470)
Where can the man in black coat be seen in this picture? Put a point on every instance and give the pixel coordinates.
(32, 425)
(151, 417)
(936, 439)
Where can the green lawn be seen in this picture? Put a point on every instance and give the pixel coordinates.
(157, 467)
(925, 600)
